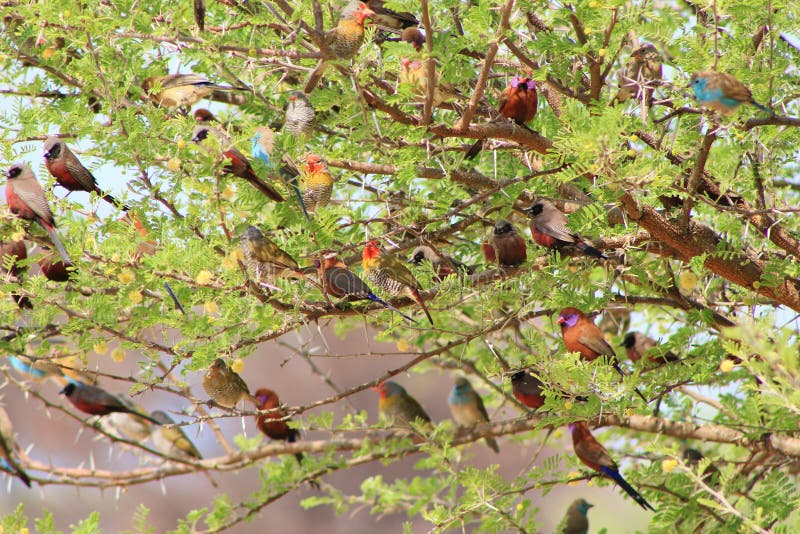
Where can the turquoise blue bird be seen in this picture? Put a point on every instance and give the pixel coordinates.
(721, 92)
(263, 144)
(467, 408)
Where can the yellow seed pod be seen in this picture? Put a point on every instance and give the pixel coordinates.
(687, 280)
(203, 277)
(135, 297)
(126, 277)
(726, 366)
(668, 465)
(100, 347)
(118, 355)
(237, 366)
(174, 164)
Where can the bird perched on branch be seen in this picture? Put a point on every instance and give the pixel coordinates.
(638, 345)
(596, 457)
(549, 229)
(575, 520)
(263, 144)
(97, 401)
(343, 41)
(239, 165)
(300, 118)
(508, 248)
(225, 386)
(721, 92)
(8, 448)
(581, 335)
(70, 173)
(264, 259)
(26, 199)
(52, 267)
(341, 282)
(389, 274)
(172, 441)
(527, 389)
(467, 408)
(640, 76)
(11, 254)
(518, 102)
(181, 90)
(316, 183)
(443, 265)
(386, 18)
(274, 425)
(415, 73)
(398, 407)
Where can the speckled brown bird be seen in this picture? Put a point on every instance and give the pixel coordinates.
(264, 259)
(300, 118)
(224, 386)
(415, 74)
(640, 76)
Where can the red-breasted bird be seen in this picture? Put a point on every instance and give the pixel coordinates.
(264, 259)
(97, 401)
(300, 117)
(180, 90)
(398, 407)
(581, 335)
(414, 73)
(25, 198)
(549, 229)
(239, 165)
(722, 92)
(343, 41)
(274, 425)
(443, 265)
(11, 254)
(341, 282)
(316, 183)
(69, 172)
(225, 386)
(518, 102)
(640, 76)
(508, 248)
(527, 389)
(575, 520)
(386, 18)
(388, 273)
(596, 457)
(8, 448)
(638, 345)
(52, 267)
(467, 408)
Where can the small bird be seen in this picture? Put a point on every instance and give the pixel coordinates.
(518, 102)
(596, 457)
(52, 267)
(549, 228)
(343, 41)
(180, 90)
(224, 386)
(204, 116)
(508, 248)
(8, 448)
(264, 259)
(25, 198)
(11, 254)
(300, 118)
(575, 520)
(263, 144)
(415, 74)
(640, 76)
(386, 18)
(341, 282)
(126, 425)
(527, 389)
(721, 92)
(172, 441)
(637, 345)
(413, 36)
(97, 401)
(467, 408)
(239, 165)
(398, 407)
(581, 335)
(389, 273)
(274, 425)
(70, 173)
(316, 183)
(443, 265)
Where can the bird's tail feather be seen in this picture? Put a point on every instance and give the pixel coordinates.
(58, 244)
(374, 298)
(315, 77)
(614, 474)
(591, 251)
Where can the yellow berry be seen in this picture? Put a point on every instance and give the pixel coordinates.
(687, 280)
(558, 433)
(126, 277)
(210, 306)
(520, 507)
(100, 347)
(174, 164)
(181, 143)
(228, 193)
(118, 355)
(587, 31)
(403, 345)
(66, 13)
(2, 295)
(726, 366)
(601, 52)
(135, 297)
(203, 277)
(668, 465)
(630, 153)
(228, 263)
(48, 52)
(238, 365)
(590, 483)
(568, 405)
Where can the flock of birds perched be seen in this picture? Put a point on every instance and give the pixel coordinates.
(313, 185)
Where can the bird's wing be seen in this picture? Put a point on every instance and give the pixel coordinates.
(597, 344)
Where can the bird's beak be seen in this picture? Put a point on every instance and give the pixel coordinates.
(368, 13)
(63, 391)
(561, 320)
(46, 154)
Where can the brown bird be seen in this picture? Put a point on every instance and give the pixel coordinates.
(181, 90)
(549, 229)
(343, 41)
(386, 18)
(640, 76)
(11, 254)
(443, 265)
(25, 197)
(638, 345)
(414, 36)
(275, 425)
(53, 268)
(239, 165)
(508, 248)
(69, 172)
(224, 386)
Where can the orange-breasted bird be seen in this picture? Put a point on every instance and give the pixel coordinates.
(637, 345)
(11, 254)
(225, 386)
(69, 172)
(549, 228)
(596, 457)
(389, 273)
(239, 165)
(518, 102)
(443, 265)
(467, 408)
(316, 183)
(25, 198)
(341, 282)
(640, 76)
(180, 90)
(8, 448)
(398, 407)
(508, 248)
(343, 41)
